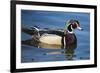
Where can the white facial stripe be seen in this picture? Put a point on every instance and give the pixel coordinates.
(71, 27)
(71, 31)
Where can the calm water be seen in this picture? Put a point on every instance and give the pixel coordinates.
(55, 20)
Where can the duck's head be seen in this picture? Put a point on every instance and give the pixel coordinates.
(73, 24)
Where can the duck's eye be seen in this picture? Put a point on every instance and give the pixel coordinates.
(74, 25)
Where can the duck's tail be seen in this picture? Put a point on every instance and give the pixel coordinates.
(31, 31)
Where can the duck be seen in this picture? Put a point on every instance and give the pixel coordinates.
(56, 37)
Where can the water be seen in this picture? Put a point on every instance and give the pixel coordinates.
(55, 20)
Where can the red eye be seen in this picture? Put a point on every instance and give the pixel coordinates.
(74, 26)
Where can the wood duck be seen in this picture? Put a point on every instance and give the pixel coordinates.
(54, 38)
(62, 37)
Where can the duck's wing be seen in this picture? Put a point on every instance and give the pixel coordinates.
(32, 31)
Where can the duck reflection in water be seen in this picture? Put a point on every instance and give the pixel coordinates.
(54, 38)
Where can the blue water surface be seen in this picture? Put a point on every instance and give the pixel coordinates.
(55, 20)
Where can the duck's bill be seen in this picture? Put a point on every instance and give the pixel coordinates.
(79, 28)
